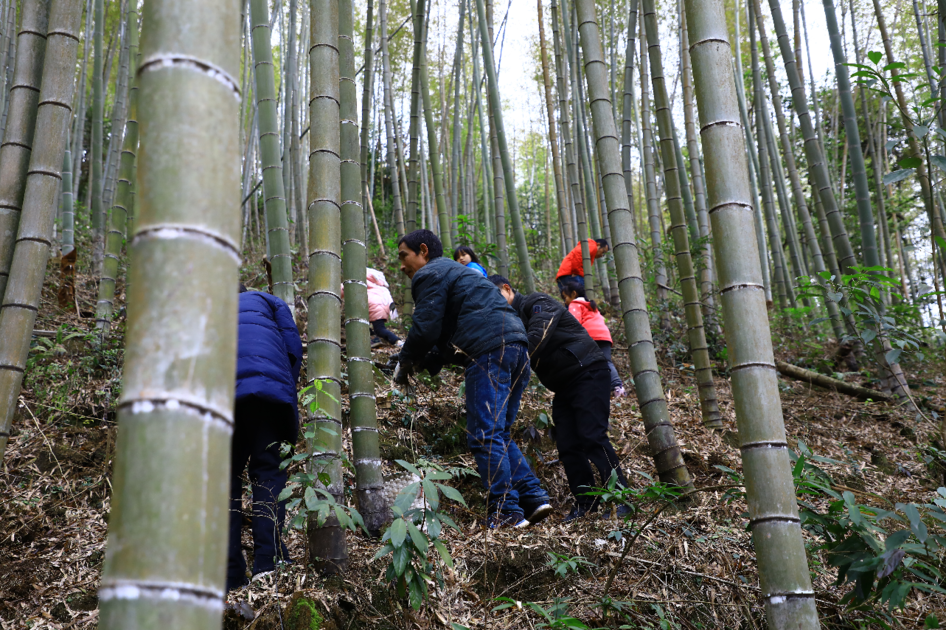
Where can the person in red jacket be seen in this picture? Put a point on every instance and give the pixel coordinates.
(572, 268)
(587, 313)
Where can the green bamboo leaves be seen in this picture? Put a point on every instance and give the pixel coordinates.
(776, 528)
(168, 530)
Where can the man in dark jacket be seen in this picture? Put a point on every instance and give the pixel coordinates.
(459, 318)
(269, 358)
(568, 362)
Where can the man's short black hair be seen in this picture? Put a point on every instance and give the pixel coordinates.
(499, 281)
(602, 242)
(415, 239)
(243, 288)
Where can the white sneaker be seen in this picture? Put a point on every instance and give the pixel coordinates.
(399, 344)
(619, 392)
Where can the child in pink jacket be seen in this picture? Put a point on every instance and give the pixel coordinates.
(379, 306)
(573, 294)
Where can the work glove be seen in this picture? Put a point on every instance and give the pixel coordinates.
(402, 374)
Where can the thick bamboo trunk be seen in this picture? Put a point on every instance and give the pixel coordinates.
(699, 350)
(167, 540)
(814, 378)
(367, 95)
(21, 121)
(650, 396)
(274, 191)
(118, 216)
(413, 169)
(364, 423)
(24, 287)
(773, 514)
(327, 544)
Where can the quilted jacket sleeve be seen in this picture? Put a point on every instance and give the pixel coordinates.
(290, 335)
(540, 314)
(430, 304)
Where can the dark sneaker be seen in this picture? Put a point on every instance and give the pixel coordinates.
(539, 513)
(503, 520)
(621, 513)
(579, 511)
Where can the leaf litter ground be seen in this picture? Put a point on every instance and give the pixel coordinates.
(691, 568)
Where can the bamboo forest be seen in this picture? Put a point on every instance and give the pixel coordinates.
(462, 314)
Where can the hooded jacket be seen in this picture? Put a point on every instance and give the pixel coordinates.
(460, 312)
(559, 347)
(379, 296)
(591, 319)
(269, 354)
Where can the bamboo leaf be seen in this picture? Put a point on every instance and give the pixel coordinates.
(891, 144)
(875, 56)
(896, 65)
(893, 355)
(910, 162)
(398, 532)
(920, 131)
(897, 176)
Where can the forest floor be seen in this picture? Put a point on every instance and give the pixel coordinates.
(691, 567)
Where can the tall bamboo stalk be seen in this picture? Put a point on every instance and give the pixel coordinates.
(118, 217)
(797, 191)
(67, 210)
(21, 121)
(865, 211)
(327, 544)
(390, 140)
(496, 107)
(699, 351)
(364, 423)
(571, 154)
(553, 139)
(167, 544)
(776, 529)
(436, 172)
(653, 405)
(816, 162)
(366, 102)
(413, 169)
(627, 109)
(456, 166)
(696, 169)
(650, 184)
(24, 286)
(98, 106)
(274, 191)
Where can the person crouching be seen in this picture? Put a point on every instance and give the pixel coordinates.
(570, 364)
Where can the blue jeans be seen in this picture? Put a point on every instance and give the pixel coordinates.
(494, 384)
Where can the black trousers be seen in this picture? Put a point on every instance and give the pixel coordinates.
(615, 377)
(259, 428)
(379, 329)
(581, 412)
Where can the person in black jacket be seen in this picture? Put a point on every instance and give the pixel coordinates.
(269, 357)
(459, 318)
(568, 362)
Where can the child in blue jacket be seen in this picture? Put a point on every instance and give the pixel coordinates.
(467, 257)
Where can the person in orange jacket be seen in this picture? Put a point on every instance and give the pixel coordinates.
(587, 313)
(572, 268)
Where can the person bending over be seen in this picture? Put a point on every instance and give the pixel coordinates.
(460, 318)
(269, 357)
(467, 257)
(379, 305)
(572, 268)
(569, 363)
(588, 315)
